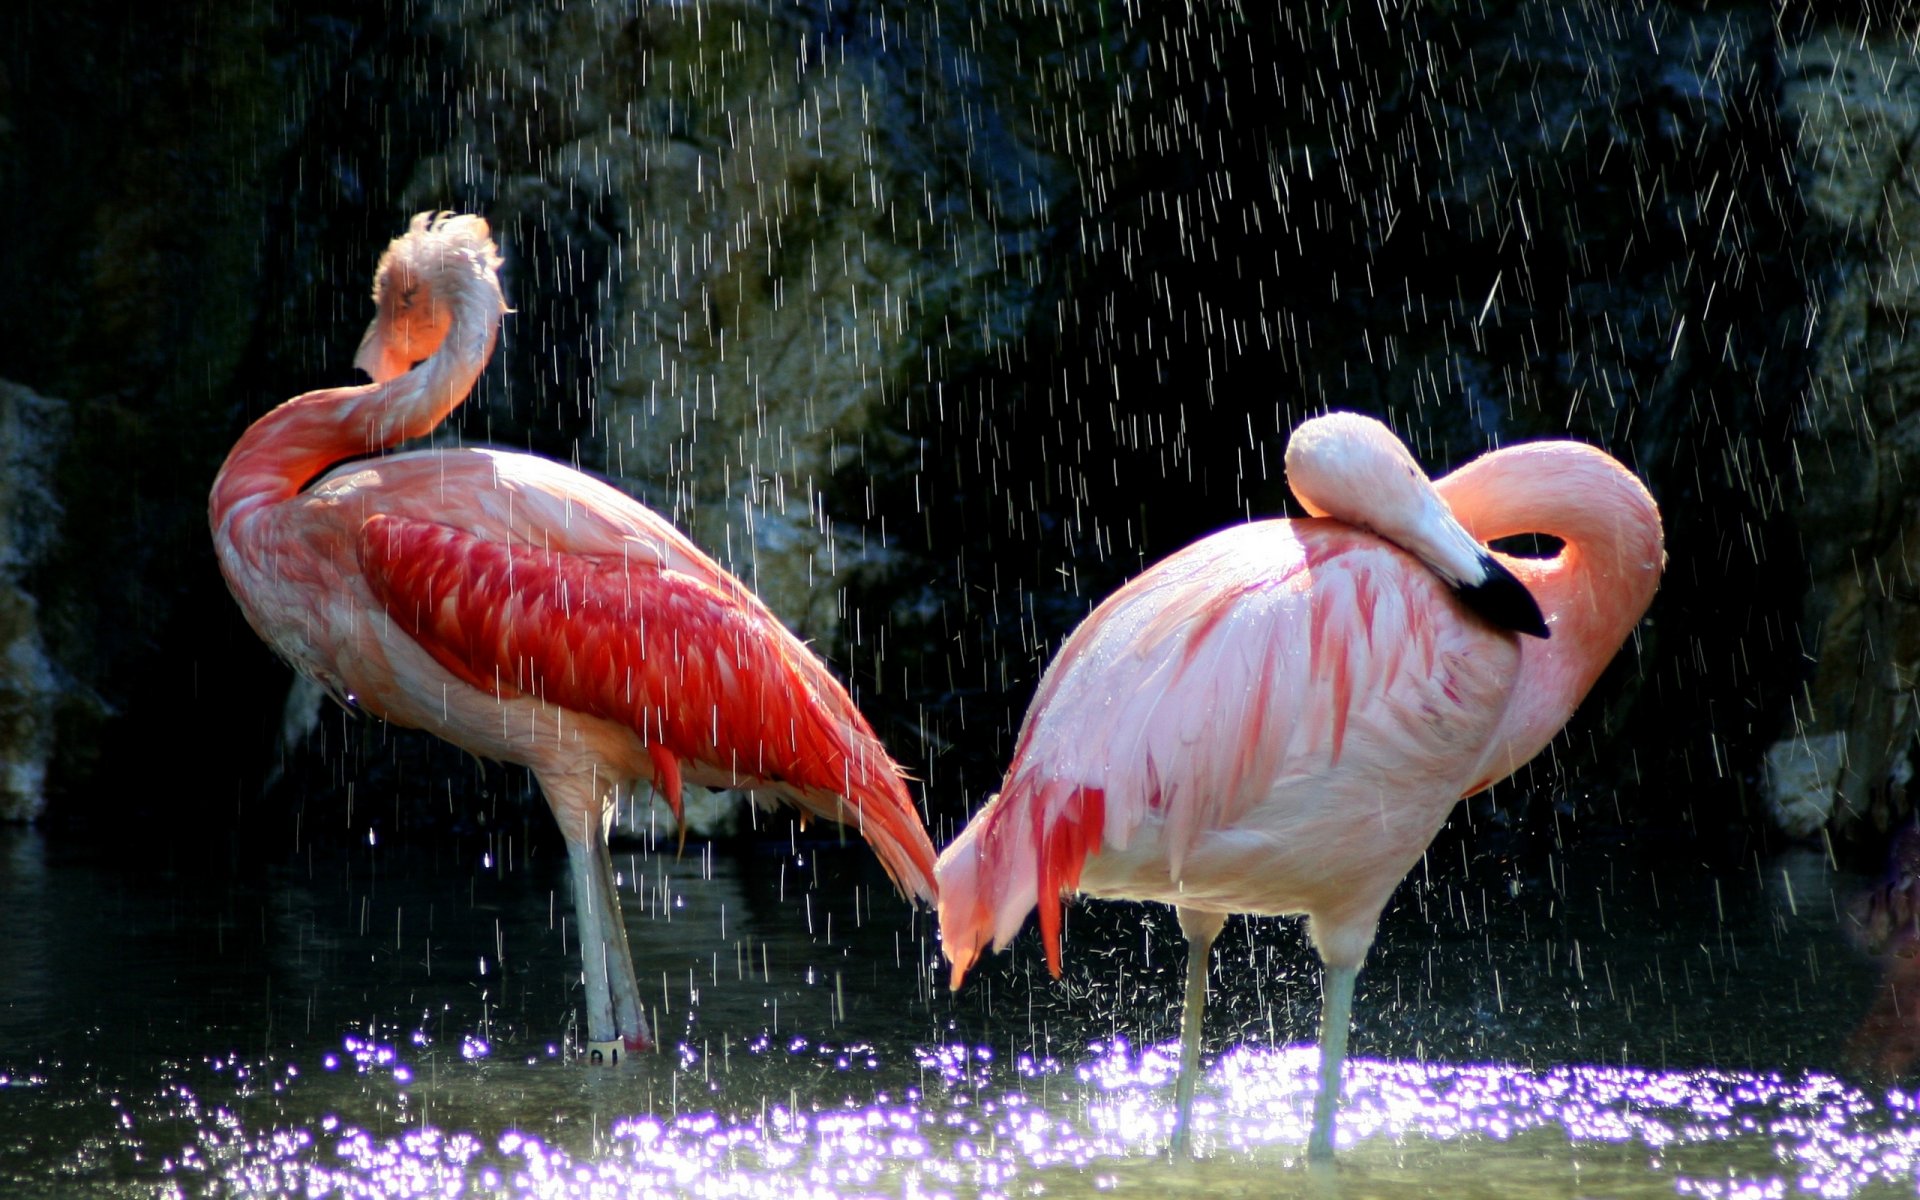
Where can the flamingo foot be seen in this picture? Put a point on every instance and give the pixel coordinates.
(615, 1051)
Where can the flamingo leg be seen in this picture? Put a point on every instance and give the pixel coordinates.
(1336, 1016)
(616, 1023)
(1201, 928)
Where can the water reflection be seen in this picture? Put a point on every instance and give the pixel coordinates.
(394, 1021)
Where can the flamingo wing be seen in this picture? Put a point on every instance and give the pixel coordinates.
(687, 659)
(516, 498)
(1252, 664)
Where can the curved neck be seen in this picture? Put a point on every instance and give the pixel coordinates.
(1592, 592)
(289, 447)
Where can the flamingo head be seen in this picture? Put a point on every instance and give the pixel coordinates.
(1354, 469)
(442, 261)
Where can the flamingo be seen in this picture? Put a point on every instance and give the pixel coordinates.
(528, 613)
(1277, 718)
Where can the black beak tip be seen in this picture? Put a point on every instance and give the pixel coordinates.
(1503, 600)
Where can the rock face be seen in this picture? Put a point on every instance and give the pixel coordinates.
(936, 322)
(1847, 747)
(32, 431)
(137, 160)
(759, 227)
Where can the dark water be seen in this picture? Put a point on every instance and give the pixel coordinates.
(393, 1020)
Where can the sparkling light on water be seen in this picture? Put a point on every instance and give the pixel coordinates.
(981, 1126)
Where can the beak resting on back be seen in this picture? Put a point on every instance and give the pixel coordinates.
(1502, 599)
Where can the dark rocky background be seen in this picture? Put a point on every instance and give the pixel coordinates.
(937, 321)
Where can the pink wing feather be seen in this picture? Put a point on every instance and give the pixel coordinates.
(700, 672)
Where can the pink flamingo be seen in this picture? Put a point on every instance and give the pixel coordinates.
(528, 613)
(1278, 718)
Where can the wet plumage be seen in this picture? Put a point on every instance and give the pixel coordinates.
(1278, 718)
(527, 612)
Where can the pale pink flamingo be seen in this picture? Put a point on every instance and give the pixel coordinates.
(1278, 718)
(528, 613)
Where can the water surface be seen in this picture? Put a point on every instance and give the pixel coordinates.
(368, 1020)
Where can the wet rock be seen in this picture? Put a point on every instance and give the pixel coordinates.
(1801, 781)
(32, 429)
(1853, 103)
(744, 232)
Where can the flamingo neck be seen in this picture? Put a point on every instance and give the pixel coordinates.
(289, 447)
(1592, 592)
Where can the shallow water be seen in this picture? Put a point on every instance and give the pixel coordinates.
(380, 1021)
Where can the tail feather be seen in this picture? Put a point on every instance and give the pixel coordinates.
(882, 812)
(1026, 848)
(870, 782)
(970, 895)
(1066, 834)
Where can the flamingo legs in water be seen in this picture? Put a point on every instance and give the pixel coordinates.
(616, 1022)
(1336, 1017)
(1201, 928)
